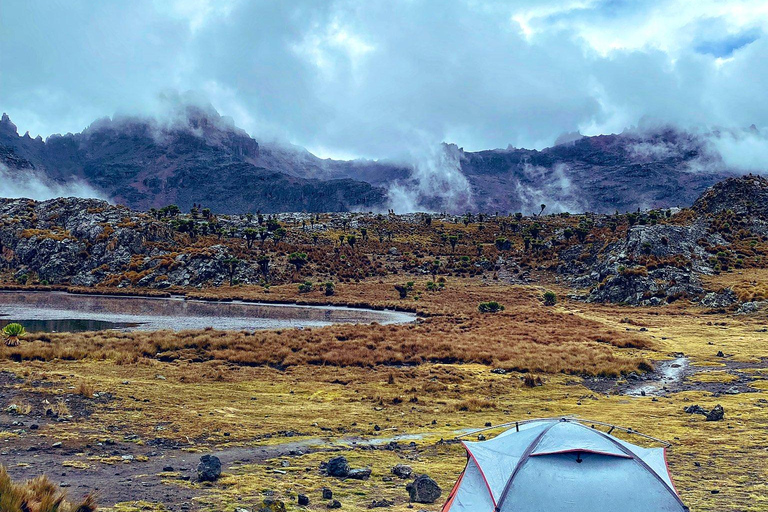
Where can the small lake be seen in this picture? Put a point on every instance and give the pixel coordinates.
(65, 312)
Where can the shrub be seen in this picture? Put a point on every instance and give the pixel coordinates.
(330, 289)
(305, 287)
(490, 307)
(503, 244)
(549, 297)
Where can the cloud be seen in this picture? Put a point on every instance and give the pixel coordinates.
(28, 184)
(372, 79)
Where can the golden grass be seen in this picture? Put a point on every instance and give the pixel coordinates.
(525, 337)
(37, 495)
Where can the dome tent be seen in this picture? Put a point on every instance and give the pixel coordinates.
(562, 465)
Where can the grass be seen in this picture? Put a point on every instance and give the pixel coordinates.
(524, 337)
(37, 495)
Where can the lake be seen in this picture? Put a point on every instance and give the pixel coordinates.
(65, 312)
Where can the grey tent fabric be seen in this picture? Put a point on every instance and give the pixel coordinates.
(561, 465)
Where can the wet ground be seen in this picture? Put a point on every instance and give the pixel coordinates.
(679, 374)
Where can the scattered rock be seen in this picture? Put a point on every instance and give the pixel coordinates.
(327, 493)
(209, 468)
(303, 500)
(423, 490)
(720, 353)
(359, 474)
(695, 409)
(338, 467)
(716, 414)
(381, 503)
(334, 504)
(402, 471)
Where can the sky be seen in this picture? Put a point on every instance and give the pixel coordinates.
(374, 78)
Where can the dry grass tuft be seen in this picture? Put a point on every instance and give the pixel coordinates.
(37, 495)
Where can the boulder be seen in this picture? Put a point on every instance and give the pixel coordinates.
(695, 409)
(209, 468)
(338, 467)
(359, 474)
(716, 414)
(327, 493)
(334, 504)
(303, 500)
(402, 471)
(423, 490)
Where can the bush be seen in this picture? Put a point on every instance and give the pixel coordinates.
(490, 307)
(305, 287)
(550, 299)
(330, 289)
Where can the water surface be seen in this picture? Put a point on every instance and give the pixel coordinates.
(64, 312)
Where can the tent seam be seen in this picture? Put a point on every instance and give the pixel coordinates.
(482, 474)
(526, 455)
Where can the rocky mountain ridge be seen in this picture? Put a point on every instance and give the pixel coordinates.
(200, 157)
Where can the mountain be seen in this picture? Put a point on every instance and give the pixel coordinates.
(199, 159)
(202, 157)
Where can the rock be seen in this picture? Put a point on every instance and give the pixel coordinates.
(57, 444)
(168, 468)
(359, 474)
(751, 307)
(423, 490)
(381, 503)
(303, 500)
(402, 471)
(733, 390)
(338, 467)
(716, 414)
(271, 505)
(695, 409)
(334, 504)
(720, 353)
(327, 493)
(209, 468)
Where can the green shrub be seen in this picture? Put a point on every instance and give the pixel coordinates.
(305, 287)
(550, 299)
(490, 307)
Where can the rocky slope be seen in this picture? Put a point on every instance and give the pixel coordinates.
(658, 263)
(201, 157)
(652, 257)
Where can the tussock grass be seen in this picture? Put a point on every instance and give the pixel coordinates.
(549, 342)
(37, 495)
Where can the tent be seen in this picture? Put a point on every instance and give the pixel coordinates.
(559, 465)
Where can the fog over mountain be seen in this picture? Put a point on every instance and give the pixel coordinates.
(391, 82)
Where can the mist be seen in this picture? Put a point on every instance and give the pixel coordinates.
(26, 183)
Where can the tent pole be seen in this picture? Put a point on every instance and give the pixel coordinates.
(568, 418)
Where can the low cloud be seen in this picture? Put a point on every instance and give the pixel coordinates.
(28, 184)
(436, 183)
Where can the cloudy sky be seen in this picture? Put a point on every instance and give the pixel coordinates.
(371, 78)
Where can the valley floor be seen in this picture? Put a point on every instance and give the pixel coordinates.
(134, 412)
